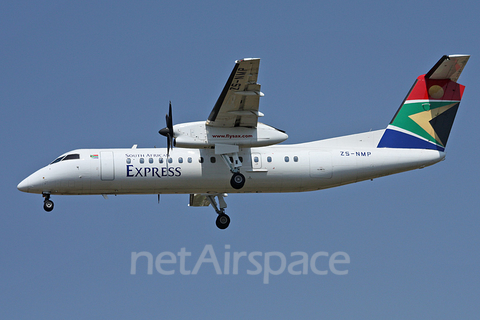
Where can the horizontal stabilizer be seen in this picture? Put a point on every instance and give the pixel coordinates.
(448, 67)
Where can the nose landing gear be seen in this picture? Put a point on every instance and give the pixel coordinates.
(222, 221)
(47, 203)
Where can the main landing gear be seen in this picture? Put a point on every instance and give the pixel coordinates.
(223, 220)
(237, 181)
(47, 203)
(233, 162)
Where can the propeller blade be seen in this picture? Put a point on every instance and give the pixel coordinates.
(170, 118)
(168, 146)
(168, 130)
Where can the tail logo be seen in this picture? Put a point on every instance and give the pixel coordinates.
(426, 116)
(433, 123)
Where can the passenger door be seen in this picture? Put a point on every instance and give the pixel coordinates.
(107, 168)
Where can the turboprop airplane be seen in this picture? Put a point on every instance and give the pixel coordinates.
(231, 152)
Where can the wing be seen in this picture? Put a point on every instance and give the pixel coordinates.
(237, 105)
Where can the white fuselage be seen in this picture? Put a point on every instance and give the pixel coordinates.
(279, 168)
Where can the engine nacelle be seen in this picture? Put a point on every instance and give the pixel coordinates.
(199, 135)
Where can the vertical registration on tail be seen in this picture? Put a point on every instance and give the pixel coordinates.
(426, 116)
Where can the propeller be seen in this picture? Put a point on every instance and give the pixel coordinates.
(168, 130)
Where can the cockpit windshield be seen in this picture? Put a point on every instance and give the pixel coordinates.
(73, 156)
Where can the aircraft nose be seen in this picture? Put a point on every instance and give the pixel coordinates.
(23, 186)
(33, 183)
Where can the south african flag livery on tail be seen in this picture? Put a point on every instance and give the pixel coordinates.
(425, 118)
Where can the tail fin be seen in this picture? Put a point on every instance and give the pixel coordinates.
(425, 118)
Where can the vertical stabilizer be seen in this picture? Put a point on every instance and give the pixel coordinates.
(426, 116)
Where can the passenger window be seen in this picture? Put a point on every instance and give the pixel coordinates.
(160, 160)
(180, 160)
(129, 160)
(269, 159)
(170, 160)
(287, 159)
(295, 159)
(142, 160)
(189, 160)
(213, 159)
(200, 160)
(255, 159)
(150, 160)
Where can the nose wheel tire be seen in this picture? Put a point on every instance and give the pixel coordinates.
(222, 221)
(48, 205)
(237, 181)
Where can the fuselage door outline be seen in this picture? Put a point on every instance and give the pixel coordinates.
(107, 167)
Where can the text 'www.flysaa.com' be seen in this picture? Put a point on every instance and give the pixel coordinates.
(232, 136)
(271, 263)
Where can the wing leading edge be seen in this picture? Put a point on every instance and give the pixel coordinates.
(237, 105)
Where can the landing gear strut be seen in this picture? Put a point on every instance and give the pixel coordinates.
(223, 220)
(47, 203)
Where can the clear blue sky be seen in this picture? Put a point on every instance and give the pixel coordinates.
(100, 74)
